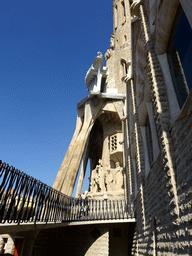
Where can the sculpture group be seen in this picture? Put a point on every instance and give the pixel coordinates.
(106, 179)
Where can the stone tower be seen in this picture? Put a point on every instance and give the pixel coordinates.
(100, 120)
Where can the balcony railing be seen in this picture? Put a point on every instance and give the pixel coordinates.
(25, 199)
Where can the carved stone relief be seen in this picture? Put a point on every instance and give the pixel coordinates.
(119, 182)
(106, 179)
(110, 182)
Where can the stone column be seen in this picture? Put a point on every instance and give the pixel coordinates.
(1, 244)
(82, 172)
(71, 164)
(101, 244)
(10, 244)
(62, 171)
(29, 240)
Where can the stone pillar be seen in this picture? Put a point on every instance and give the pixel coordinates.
(63, 169)
(1, 244)
(100, 246)
(10, 244)
(71, 163)
(72, 169)
(28, 243)
(82, 172)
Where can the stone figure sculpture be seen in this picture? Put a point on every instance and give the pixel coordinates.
(94, 184)
(97, 183)
(119, 182)
(110, 180)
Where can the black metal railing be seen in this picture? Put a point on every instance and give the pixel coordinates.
(25, 199)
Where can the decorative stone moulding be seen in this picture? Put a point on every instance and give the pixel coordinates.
(135, 7)
(116, 147)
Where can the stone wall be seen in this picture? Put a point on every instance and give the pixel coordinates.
(164, 199)
(72, 241)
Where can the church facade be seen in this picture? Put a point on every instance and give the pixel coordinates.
(158, 150)
(137, 117)
(134, 128)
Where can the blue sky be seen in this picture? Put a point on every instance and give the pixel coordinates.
(46, 49)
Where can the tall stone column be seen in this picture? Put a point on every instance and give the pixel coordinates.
(28, 243)
(66, 161)
(82, 172)
(69, 169)
(10, 245)
(1, 244)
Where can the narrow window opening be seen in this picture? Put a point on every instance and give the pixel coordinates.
(149, 141)
(179, 56)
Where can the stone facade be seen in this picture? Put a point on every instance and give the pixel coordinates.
(154, 119)
(135, 127)
(159, 133)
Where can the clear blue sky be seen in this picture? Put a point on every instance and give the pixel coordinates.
(46, 49)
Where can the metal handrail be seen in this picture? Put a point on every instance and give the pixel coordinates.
(26, 199)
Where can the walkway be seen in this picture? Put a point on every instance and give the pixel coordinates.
(28, 204)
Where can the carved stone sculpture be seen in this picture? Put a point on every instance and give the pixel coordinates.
(94, 184)
(110, 180)
(97, 183)
(118, 177)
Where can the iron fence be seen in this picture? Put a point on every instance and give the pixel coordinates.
(25, 199)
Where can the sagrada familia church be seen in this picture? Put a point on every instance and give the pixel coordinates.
(134, 128)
